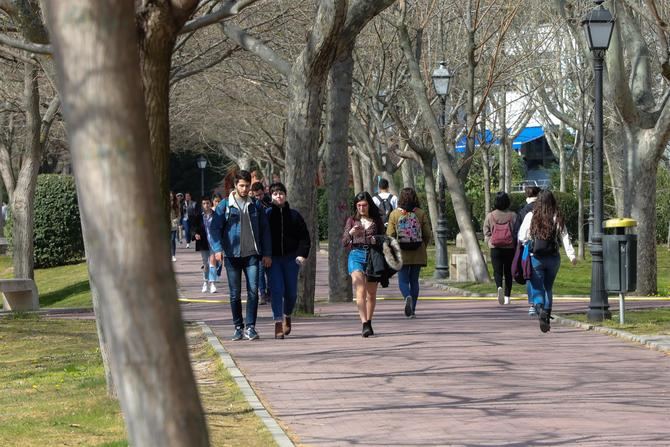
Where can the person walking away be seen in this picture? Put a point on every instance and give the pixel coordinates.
(542, 228)
(385, 201)
(531, 192)
(180, 232)
(290, 248)
(258, 192)
(410, 226)
(358, 235)
(175, 215)
(206, 226)
(188, 214)
(245, 239)
(499, 234)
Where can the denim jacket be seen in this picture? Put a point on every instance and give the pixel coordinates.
(229, 238)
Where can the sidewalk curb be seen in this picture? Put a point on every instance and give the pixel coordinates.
(656, 342)
(275, 429)
(50, 311)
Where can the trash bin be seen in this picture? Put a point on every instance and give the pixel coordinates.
(620, 255)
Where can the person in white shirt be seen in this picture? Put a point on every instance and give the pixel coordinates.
(385, 201)
(542, 228)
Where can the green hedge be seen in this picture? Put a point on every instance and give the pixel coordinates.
(57, 234)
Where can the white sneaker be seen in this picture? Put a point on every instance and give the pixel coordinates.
(188, 245)
(174, 259)
(501, 296)
(507, 300)
(212, 287)
(204, 287)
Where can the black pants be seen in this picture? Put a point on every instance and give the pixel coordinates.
(502, 258)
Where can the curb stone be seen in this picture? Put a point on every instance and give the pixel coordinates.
(275, 429)
(656, 342)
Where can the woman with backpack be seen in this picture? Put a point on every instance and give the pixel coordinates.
(499, 234)
(542, 228)
(410, 226)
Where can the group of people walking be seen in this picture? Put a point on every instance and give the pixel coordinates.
(538, 229)
(245, 235)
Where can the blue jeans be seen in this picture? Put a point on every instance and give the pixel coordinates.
(187, 230)
(208, 271)
(408, 281)
(173, 242)
(234, 269)
(545, 269)
(262, 283)
(283, 276)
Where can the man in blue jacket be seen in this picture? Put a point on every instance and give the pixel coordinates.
(246, 242)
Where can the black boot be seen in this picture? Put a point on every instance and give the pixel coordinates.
(370, 327)
(545, 317)
(367, 329)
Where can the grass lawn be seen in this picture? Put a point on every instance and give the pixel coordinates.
(53, 392)
(640, 322)
(571, 280)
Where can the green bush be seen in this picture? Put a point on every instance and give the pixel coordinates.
(662, 204)
(58, 238)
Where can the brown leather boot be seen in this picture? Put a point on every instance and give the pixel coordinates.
(279, 330)
(287, 325)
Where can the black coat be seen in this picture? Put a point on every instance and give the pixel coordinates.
(289, 232)
(199, 228)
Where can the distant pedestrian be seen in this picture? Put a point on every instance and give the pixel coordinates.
(385, 201)
(499, 234)
(188, 214)
(180, 229)
(290, 248)
(410, 225)
(175, 214)
(206, 231)
(542, 228)
(358, 235)
(244, 240)
(531, 192)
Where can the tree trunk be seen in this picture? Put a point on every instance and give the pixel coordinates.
(367, 176)
(644, 211)
(356, 171)
(101, 88)
(407, 170)
(339, 106)
(431, 193)
(23, 198)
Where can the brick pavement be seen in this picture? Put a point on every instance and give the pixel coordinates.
(462, 373)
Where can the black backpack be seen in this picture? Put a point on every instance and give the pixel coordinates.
(385, 207)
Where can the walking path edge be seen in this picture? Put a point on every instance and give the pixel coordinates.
(275, 429)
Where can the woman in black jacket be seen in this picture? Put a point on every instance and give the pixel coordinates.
(290, 248)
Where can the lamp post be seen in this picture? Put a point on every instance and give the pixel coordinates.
(441, 82)
(201, 161)
(598, 25)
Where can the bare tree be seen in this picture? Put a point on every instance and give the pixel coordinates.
(97, 60)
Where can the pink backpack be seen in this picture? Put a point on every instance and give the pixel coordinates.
(501, 234)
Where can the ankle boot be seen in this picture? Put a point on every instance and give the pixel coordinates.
(545, 320)
(287, 325)
(279, 330)
(370, 327)
(367, 329)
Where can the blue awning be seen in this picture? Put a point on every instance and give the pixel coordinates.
(528, 134)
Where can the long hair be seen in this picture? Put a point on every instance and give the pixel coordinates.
(542, 225)
(408, 199)
(174, 202)
(373, 211)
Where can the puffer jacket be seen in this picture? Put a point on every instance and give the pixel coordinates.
(289, 233)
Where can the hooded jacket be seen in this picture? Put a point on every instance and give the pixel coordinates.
(288, 231)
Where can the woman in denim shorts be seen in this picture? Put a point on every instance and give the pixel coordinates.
(359, 233)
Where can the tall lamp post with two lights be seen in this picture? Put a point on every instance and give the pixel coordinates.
(201, 161)
(598, 25)
(441, 82)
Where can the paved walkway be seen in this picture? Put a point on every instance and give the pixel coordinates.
(462, 373)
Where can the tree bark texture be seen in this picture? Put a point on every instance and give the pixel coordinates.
(97, 58)
(339, 106)
(431, 192)
(407, 170)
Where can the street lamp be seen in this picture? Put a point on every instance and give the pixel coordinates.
(598, 25)
(441, 82)
(201, 161)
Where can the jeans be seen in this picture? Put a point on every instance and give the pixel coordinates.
(234, 269)
(208, 271)
(283, 276)
(545, 269)
(187, 230)
(173, 242)
(408, 281)
(262, 282)
(502, 259)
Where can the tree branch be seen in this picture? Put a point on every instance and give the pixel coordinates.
(228, 9)
(37, 48)
(255, 46)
